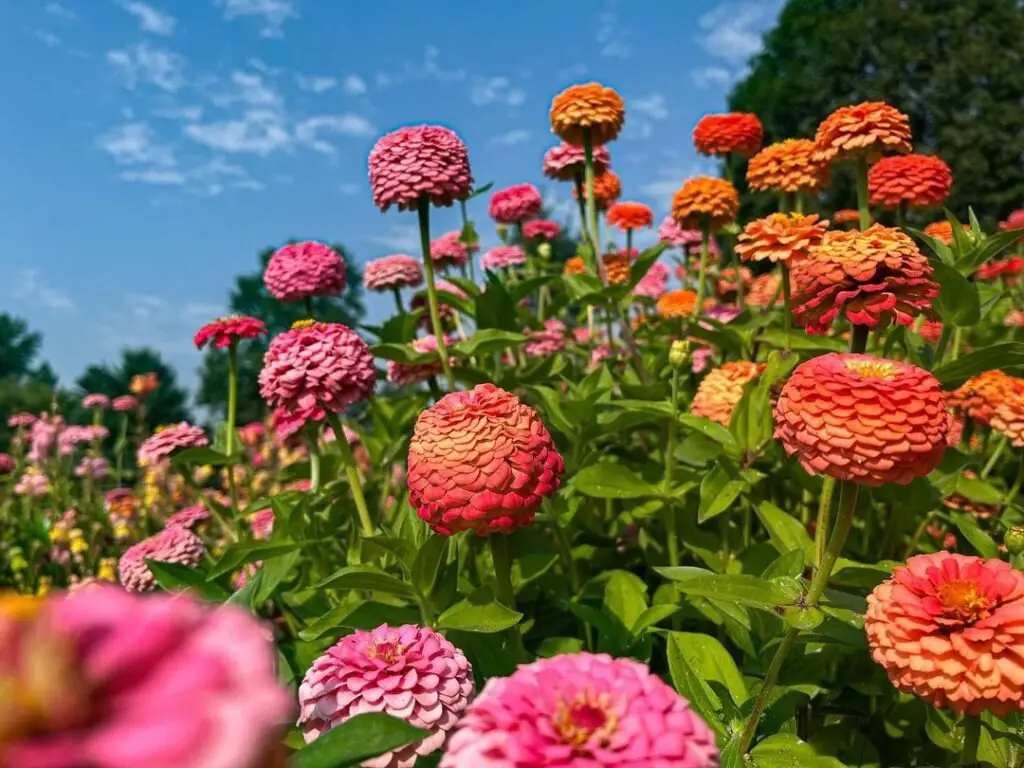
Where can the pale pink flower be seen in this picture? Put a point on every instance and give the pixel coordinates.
(169, 440)
(95, 401)
(125, 403)
(549, 341)
(425, 161)
(566, 161)
(94, 467)
(33, 484)
(189, 517)
(43, 437)
(303, 270)
(19, 420)
(390, 272)
(75, 435)
(171, 545)
(653, 283)
(700, 360)
(503, 257)
(515, 204)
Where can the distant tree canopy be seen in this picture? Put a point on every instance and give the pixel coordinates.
(250, 297)
(956, 68)
(26, 383)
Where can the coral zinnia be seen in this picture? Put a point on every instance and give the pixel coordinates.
(864, 419)
(391, 272)
(1008, 419)
(566, 162)
(930, 330)
(979, 396)
(419, 162)
(481, 460)
(783, 237)
(705, 200)
(543, 229)
(174, 544)
(590, 107)
(403, 374)
(920, 181)
(728, 282)
(167, 440)
(1007, 268)
(787, 166)
(503, 257)
(734, 133)
(515, 204)
(722, 389)
(678, 303)
(628, 216)
(580, 710)
(874, 277)
(225, 331)
(408, 672)
(765, 290)
(607, 189)
(302, 270)
(846, 216)
(872, 127)
(1013, 222)
(947, 628)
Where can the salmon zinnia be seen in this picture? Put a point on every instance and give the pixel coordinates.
(722, 389)
(919, 181)
(980, 396)
(784, 237)
(787, 166)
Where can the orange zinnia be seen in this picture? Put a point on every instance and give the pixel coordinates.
(143, 383)
(765, 290)
(980, 396)
(947, 628)
(871, 128)
(920, 181)
(738, 133)
(628, 216)
(722, 389)
(943, 231)
(787, 166)
(574, 266)
(728, 283)
(846, 216)
(1008, 419)
(782, 237)
(864, 419)
(680, 303)
(616, 267)
(607, 189)
(590, 106)
(705, 200)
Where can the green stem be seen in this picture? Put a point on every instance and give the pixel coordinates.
(798, 204)
(309, 307)
(122, 442)
(671, 532)
(862, 191)
(824, 522)
(565, 549)
(1017, 483)
(958, 337)
(435, 313)
(581, 203)
(352, 473)
(398, 300)
(229, 438)
(940, 348)
(705, 239)
(859, 339)
(972, 738)
(588, 176)
(787, 302)
(901, 215)
(465, 223)
(506, 594)
(629, 243)
(313, 442)
(990, 465)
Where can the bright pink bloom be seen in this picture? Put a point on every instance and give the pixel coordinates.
(700, 360)
(7, 464)
(43, 437)
(408, 672)
(419, 161)
(653, 283)
(95, 401)
(173, 544)
(95, 467)
(404, 374)
(124, 680)
(566, 161)
(225, 331)
(125, 403)
(449, 251)
(19, 420)
(189, 517)
(515, 204)
(675, 236)
(303, 270)
(549, 341)
(543, 229)
(161, 444)
(389, 272)
(503, 257)
(76, 435)
(581, 710)
(262, 523)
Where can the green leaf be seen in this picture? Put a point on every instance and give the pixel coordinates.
(356, 740)
(789, 564)
(799, 340)
(652, 616)
(708, 428)
(957, 302)
(245, 552)
(520, 291)
(786, 532)
(487, 340)
(175, 577)
(363, 577)
(272, 573)
(480, 190)
(198, 457)
(1008, 357)
(359, 615)
(718, 490)
(625, 597)
(480, 612)
(556, 646)
(709, 660)
(400, 329)
(743, 589)
(495, 307)
(977, 490)
(643, 263)
(695, 690)
(402, 353)
(606, 480)
(980, 540)
(427, 565)
(786, 750)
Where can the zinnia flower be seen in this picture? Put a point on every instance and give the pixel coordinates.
(1008, 419)
(76, 435)
(503, 257)
(943, 231)
(729, 279)
(765, 290)
(549, 341)
(32, 483)
(864, 419)
(143, 383)
(1014, 319)
(189, 517)
(317, 366)
(303, 270)
(979, 396)
(945, 628)
(874, 277)
(783, 237)
(591, 107)
(705, 201)
(481, 460)
(580, 710)
(722, 389)
(393, 272)
(95, 401)
(123, 403)
(566, 162)
(847, 216)
(515, 204)
(616, 267)
(94, 467)
(670, 233)
(174, 544)
(404, 374)
(7, 464)
(542, 229)
(107, 679)
(425, 161)
(449, 250)
(1013, 222)
(574, 266)
(872, 128)
(225, 331)
(734, 133)
(607, 189)
(20, 420)
(920, 181)
(678, 303)
(787, 166)
(1007, 268)
(627, 216)
(409, 672)
(654, 282)
(170, 439)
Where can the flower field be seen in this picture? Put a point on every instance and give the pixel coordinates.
(748, 497)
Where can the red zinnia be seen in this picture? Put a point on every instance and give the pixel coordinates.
(738, 133)
(920, 181)
(225, 331)
(628, 216)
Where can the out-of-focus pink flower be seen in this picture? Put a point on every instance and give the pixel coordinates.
(391, 272)
(543, 229)
(252, 433)
(33, 483)
(700, 359)
(225, 331)
(723, 313)
(43, 437)
(95, 467)
(653, 283)
(20, 420)
(7, 464)
(107, 679)
(404, 374)
(424, 161)
(167, 440)
(515, 204)
(601, 353)
(566, 161)
(173, 544)
(409, 672)
(189, 517)
(549, 341)
(262, 523)
(419, 301)
(449, 251)
(125, 403)
(76, 435)
(303, 270)
(503, 257)
(670, 233)
(95, 401)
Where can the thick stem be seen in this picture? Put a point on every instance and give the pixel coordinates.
(313, 443)
(435, 313)
(581, 203)
(787, 302)
(629, 243)
(862, 191)
(824, 522)
(958, 337)
(940, 348)
(595, 233)
(398, 300)
(705, 239)
(859, 339)
(798, 203)
(309, 307)
(352, 473)
(671, 533)
(465, 223)
(972, 739)
(229, 438)
(506, 594)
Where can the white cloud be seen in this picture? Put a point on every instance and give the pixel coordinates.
(315, 83)
(732, 30)
(60, 11)
(510, 138)
(612, 37)
(274, 13)
(198, 310)
(248, 88)
(133, 144)
(645, 110)
(404, 238)
(348, 189)
(48, 39)
(307, 132)
(190, 113)
(671, 178)
(711, 77)
(143, 64)
(31, 287)
(661, 188)
(259, 131)
(157, 176)
(143, 305)
(496, 90)
(217, 175)
(354, 85)
(150, 18)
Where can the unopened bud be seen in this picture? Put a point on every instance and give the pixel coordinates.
(1014, 540)
(679, 353)
(544, 249)
(502, 232)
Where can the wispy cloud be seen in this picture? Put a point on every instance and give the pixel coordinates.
(400, 237)
(429, 69)
(496, 90)
(134, 144)
(142, 63)
(354, 85)
(259, 131)
(315, 83)
(32, 287)
(60, 11)
(150, 18)
(308, 131)
(272, 13)
(612, 37)
(510, 138)
(646, 111)
(732, 30)
(711, 77)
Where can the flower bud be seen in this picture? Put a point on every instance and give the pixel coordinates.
(1014, 540)
(544, 249)
(502, 232)
(679, 353)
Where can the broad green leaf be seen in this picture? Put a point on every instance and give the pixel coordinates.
(1008, 357)
(977, 490)
(402, 353)
(709, 660)
(957, 302)
(643, 263)
(652, 616)
(272, 573)
(176, 577)
(371, 579)
(605, 480)
(980, 540)
(197, 457)
(400, 329)
(556, 646)
(786, 750)
(480, 612)
(718, 490)
(356, 740)
(427, 565)
(789, 564)
(743, 589)
(692, 688)
(244, 552)
(495, 307)
(708, 428)
(487, 340)
(625, 597)
(802, 341)
(358, 615)
(785, 531)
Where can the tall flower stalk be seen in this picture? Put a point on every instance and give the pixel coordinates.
(432, 303)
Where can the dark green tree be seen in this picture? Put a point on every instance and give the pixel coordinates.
(250, 297)
(26, 383)
(956, 68)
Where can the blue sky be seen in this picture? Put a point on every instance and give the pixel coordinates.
(149, 150)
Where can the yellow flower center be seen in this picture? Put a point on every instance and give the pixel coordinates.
(587, 716)
(870, 369)
(386, 651)
(965, 599)
(307, 323)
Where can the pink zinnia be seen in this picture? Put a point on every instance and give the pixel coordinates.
(303, 270)
(404, 374)
(94, 467)
(549, 341)
(544, 229)
(581, 709)
(225, 331)
(415, 162)
(419, 301)
(449, 251)
(43, 437)
(262, 523)
(315, 366)
(108, 679)
(700, 360)
(189, 517)
(503, 257)
(566, 161)
(392, 272)
(125, 403)
(408, 672)
(653, 283)
(515, 204)
(75, 435)
(19, 420)
(173, 544)
(675, 236)
(7, 464)
(161, 444)
(95, 401)
(252, 433)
